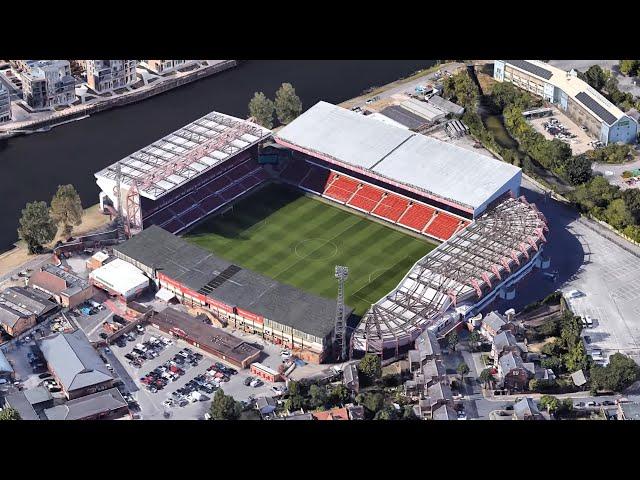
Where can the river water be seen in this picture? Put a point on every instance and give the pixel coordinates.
(32, 166)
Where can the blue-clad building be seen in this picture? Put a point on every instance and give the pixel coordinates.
(576, 98)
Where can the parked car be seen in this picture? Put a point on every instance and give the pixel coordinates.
(256, 383)
(44, 375)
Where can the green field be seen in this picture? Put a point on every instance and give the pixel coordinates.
(298, 240)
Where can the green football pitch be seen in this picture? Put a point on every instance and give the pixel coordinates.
(298, 240)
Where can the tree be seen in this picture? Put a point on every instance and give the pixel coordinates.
(66, 208)
(474, 340)
(408, 413)
(486, 377)
(453, 340)
(340, 394)
(387, 413)
(462, 369)
(550, 403)
(318, 396)
(288, 104)
(9, 413)
(577, 169)
(373, 402)
(621, 372)
(224, 407)
(629, 67)
(261, 108)
(554, 363)
(594, 76)
(36, 225)
(617, 215)
(370, 367)
(631, 198)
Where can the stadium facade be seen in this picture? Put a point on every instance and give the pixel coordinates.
(185, 176)
(491, 236)
(237, 297)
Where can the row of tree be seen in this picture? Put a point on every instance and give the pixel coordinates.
(39, 223)
(287, 106)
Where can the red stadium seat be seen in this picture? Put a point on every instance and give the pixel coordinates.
(391, 208)
(366, 198)
(341, 189)
(417, 216)
(443, 226)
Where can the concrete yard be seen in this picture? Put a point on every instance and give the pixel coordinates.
(578, 145)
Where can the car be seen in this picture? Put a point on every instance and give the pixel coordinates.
(183, 402)
(608, 403)
(248, 380)
(55, 389)
(589, 321)
(587, 339)
(256, 383)
(579, 405)
(575, 294)
(44, 375)
(591, 404)
(279, 390)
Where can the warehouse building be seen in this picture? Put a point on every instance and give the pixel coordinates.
(236, 296)
(107, 404)
(21, 308)
(583, 104)
(67, 289)
(205, 337)
(75, 364)
(120, 278)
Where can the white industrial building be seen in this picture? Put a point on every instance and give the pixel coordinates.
(120, 278)
(583, 104)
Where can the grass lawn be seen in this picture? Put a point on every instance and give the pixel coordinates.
(298, 240)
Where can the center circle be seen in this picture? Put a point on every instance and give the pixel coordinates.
(316, 249)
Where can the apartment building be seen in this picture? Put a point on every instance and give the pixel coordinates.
(108, 75)
(47, 83)
(165, 66)
(5, 104)
(583, 104)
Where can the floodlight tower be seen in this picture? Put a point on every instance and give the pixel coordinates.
(340, 330)
(117, 191)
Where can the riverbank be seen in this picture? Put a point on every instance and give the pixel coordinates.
(18, 257)
(82, 111)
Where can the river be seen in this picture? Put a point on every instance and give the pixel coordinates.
(32, 166)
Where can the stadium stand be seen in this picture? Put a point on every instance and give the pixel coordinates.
(341, 188)
(366, 198)
(443, 226)
(391, 208)
(416, 217)
(316, 180)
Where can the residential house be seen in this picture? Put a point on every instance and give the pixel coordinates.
(162, 67)
(21, 308)
(107, 404)
(338, 413)
(437, 395)
(108, 75)
(295, 416)
(68, 289)
(494, 323)
(356, 412)
(526, 409)
(266, 405)
(445, 412)
(579, 379)
(512, 373)
(47, 83)
(351, 379)
(75, 364)
(504, 342)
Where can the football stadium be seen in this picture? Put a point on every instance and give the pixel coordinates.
(431, 232)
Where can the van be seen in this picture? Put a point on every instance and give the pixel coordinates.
(574, 294)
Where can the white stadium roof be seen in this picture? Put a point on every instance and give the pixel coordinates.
(159, 159)
(435, 167)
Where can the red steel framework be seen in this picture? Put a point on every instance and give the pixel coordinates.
(177, 165)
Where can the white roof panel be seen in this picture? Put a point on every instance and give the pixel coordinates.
(342, 134)
(446, 170)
